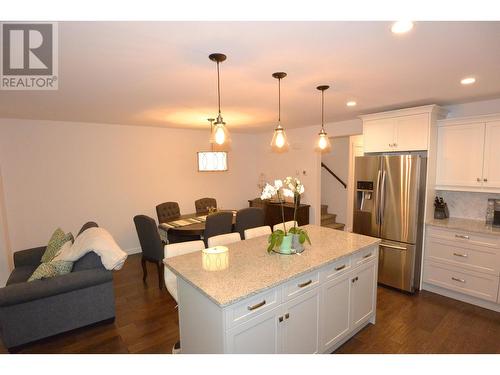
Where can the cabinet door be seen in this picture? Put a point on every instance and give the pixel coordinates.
(300, 326)
(378, 135)
(335, 310)
(460, 155)
(363, 294)
(412, 132)
(491, 171)
(260, 335)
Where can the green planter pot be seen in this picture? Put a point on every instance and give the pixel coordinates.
(286, 244)
(296, 245)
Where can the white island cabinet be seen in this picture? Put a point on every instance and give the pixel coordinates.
(268, 303)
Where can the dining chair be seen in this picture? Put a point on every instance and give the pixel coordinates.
(168, 211)
(151, 245)
(218, 223)
(201, 205)
(247, 218)
(257, 232)
(288, 225)
(224, 239)
(174, 250)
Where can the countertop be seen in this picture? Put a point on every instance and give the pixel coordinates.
(250, 269)
(467, 225)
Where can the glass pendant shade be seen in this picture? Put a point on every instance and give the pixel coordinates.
(279, 143)
(219, 137)
(323, 144)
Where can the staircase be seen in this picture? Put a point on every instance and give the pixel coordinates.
(329, 220)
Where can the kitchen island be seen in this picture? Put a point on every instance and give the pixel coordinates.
(248, 301)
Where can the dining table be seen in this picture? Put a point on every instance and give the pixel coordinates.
(189, 225)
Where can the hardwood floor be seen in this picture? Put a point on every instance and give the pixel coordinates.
(147, 322)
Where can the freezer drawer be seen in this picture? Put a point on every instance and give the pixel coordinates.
(396, 265)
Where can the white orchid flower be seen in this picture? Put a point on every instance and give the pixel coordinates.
(288, 193)
(301, 189)
(278, 184)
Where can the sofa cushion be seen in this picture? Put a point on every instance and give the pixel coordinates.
(58, 239)
(51, 269)
(21, 274)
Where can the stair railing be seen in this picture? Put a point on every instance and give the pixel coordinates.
(334, 175)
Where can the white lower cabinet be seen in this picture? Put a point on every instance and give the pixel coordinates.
(335, 310)
(259, 335)
(363, 295)
(300, 324)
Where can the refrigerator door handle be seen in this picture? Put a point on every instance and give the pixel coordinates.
(393, 247)
(377, 199)
(382, 199)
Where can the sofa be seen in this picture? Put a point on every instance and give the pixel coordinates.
(31, 311)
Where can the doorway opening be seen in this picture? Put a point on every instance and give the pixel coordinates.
(337, 173)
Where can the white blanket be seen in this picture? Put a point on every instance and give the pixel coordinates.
(99, 241)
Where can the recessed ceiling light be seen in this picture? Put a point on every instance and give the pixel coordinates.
(401, 27)
(351, 103)
(468, 81)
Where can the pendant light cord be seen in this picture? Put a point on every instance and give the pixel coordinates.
(279, 101)
(218, 85)
(322, 109)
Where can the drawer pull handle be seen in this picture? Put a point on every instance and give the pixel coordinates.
(367, 255)
(280, 319)
(305, 284)
(457, 279)
(354, 279)
(340, 268)
(256, 306)
(462, 236)
(461, 255)
(287, 315)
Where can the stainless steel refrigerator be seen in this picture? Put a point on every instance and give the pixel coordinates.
(389, 204)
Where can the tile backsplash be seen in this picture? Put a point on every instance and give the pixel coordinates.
(467, 205)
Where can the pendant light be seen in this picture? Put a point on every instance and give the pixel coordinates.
(219, 137)
(323, 144)
(279, 142)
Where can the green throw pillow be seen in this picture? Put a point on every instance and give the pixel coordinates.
(55, 243)
(51, 269)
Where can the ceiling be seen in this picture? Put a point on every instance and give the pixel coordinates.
(159, 74)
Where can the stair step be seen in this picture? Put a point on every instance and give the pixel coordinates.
(324, 209)
(328, 217)
(338, 226)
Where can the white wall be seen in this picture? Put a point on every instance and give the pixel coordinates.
(333, 193)
(63, 174)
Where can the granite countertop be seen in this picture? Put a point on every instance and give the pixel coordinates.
(250, 269)
(468, 225)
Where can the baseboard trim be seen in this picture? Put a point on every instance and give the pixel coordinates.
(461, 297)
(134, 250)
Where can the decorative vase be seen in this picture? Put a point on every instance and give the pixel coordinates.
(296, 245)
(286, 244)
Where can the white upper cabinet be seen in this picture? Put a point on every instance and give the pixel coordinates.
(379, 135)
(468, 155)
(491, 168)
(401, 130)
(460, 155)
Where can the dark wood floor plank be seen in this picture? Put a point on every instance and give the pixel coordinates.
(147, 322)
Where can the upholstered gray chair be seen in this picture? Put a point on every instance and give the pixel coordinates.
(168, 211)
(30, 311)
(218, 223)
(247, 218)
(151, 245)
(201, 205)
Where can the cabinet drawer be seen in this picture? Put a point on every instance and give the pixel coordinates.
(475, 258)
(252, 306)
(364, 256)
(336, 269)
(300, 285)
(475, 284)
(463, 237)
